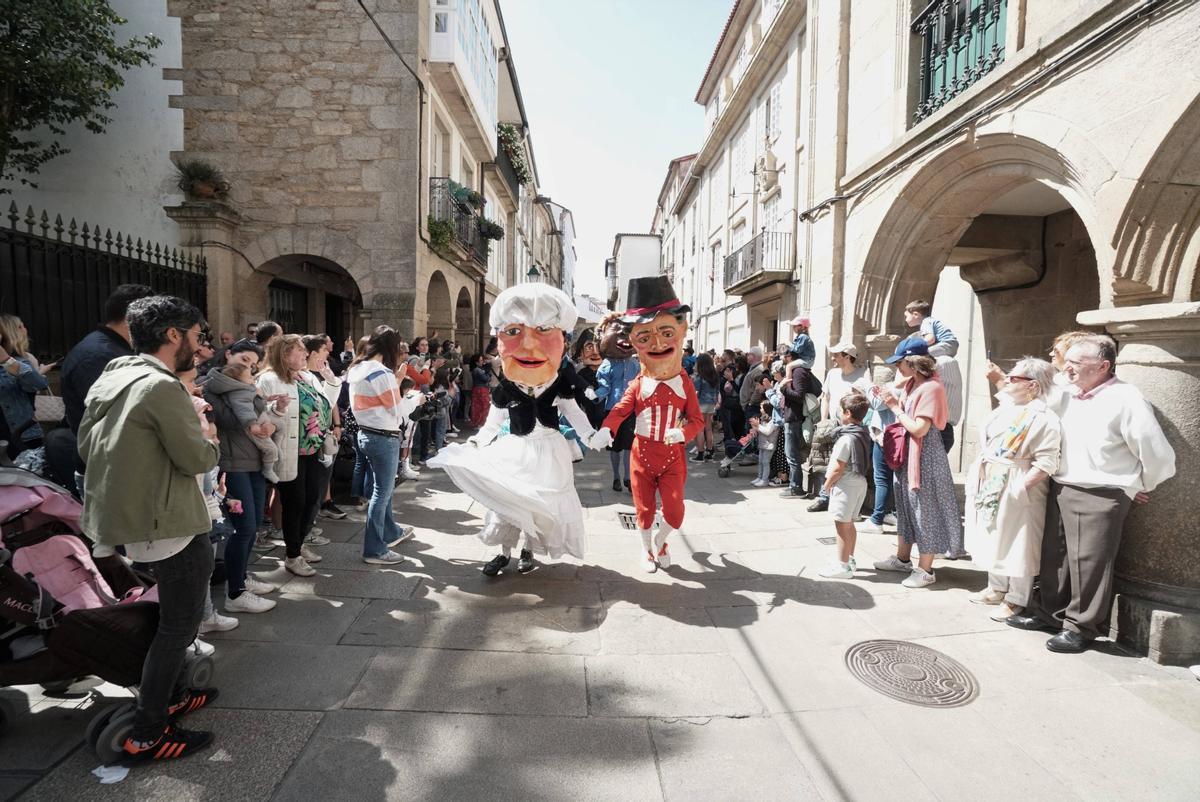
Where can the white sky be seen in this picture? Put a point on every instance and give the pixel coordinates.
(608, 88)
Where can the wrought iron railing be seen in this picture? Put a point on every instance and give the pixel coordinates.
(961, 42)
(56, 277)
(770, 251)
(464, 222)
(507, 172)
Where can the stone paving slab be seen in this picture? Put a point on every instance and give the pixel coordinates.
(457, 681)
(668, 686)
(297, 618)
(686, 630)
(543, 629)
(252, 752)
(507, 590)
(288, 676)
(412, 756)
(383, 583)
(729, 759)
(36, 739)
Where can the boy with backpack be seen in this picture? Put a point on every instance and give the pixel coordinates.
(846, 481)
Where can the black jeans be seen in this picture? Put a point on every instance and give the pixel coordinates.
(300, 499)
(182, 585)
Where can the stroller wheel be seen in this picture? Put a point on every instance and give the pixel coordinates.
(198, 672)
(91, 735)
(111, 740)
(723, 471)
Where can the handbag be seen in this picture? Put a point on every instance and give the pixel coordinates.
(895, 445)
(48, 408)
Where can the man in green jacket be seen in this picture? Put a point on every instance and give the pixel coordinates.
(143, 446)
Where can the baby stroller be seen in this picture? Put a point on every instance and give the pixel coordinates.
(734, 451)
(88, 633)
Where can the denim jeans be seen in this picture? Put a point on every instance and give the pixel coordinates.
(796, 451)
(361, 482)
(439, 431)
(251, 489)
(299, 500)
(182, 581)
(883, 485)
(383, 455)
(764, 466)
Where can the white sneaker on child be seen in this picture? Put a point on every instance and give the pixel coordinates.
(837, 570)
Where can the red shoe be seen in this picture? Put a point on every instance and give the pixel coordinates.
(195, 699)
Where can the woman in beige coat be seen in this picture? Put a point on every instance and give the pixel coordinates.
(1007, 489)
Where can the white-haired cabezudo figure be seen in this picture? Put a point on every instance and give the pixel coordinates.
(524, 478)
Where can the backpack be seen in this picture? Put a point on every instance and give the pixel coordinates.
(63, 567)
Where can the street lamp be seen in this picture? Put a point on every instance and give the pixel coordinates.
(534, 274)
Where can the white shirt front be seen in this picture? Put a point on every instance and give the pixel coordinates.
(1112, 439)
(838, 385)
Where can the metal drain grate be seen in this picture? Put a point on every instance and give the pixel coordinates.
(827, 541)
(911, 673)
(627, 519)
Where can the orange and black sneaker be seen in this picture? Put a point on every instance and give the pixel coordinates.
(193, 699)
(173, 743)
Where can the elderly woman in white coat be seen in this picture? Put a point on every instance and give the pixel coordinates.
(1007, 489)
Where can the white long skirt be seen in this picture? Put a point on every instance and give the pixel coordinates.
(524, 482)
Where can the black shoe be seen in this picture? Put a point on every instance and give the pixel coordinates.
(700, 457)
(820, 505)
(627, 485)
(708, 455)
(791, 492)
(617, 485)
(526, 563)
(173, 743)
(494, 565)
(331, 510)
(1067, 642)
(1029, 622)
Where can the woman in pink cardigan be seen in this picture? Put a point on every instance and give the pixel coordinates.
(926, 507)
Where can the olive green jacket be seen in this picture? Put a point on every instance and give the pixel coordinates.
(141, 440)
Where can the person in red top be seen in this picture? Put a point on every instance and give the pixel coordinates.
(666, 408)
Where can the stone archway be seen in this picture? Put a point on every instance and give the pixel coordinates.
(936, 207)
(440, 316)
(465, 331)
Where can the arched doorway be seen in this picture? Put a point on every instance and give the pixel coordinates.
(309, 294)
(994, 234)
(465, 331)
(437, 307)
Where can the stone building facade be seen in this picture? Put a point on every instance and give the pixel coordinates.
(347, 137)
(1031, 167)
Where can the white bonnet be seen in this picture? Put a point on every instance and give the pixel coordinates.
(534, 304)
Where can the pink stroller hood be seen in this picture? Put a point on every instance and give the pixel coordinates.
(22, 491)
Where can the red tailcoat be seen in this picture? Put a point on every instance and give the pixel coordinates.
(658, 468)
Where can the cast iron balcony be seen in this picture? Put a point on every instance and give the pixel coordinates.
(467, 242)
(961, 42)
(766, 259)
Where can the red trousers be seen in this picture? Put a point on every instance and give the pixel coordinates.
(657, 468)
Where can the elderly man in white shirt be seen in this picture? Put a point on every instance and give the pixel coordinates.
(1114, 454)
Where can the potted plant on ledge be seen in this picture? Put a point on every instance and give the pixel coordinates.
(490, 230)
(200, 180)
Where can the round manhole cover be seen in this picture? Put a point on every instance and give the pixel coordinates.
(911, 673)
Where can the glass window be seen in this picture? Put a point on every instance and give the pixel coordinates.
(440, 22)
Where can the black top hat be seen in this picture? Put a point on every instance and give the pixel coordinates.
(650, 297)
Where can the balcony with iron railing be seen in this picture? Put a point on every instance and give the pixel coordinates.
(961, 42)
(766, 259)
(467, 243)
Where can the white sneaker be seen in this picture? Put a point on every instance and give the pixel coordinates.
(259, 587)
(664, 557)
(919, 579)
(870, 527)
(758, 483)
(217, 623)
(406, 533)
(890, 520)
(853, 565)
(1005, 611)
(894, 563)
(987, 596)
(203, 649)
(316, 531)
(390, 558)
(315, 538)
(295, 565)
(837, 570)
(249, 602)
(649, 564)
(309, 555)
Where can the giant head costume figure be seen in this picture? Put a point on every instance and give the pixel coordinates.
(613, 337)
(529, 320)
(657, 324)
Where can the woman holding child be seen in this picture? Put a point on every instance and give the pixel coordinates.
(926, 507)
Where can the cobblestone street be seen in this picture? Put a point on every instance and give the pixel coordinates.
(722, 678)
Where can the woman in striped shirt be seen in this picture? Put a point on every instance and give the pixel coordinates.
(375, 399)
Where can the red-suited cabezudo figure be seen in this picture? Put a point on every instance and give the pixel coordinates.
(667, 410)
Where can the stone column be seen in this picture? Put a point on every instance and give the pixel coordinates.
(1157, 607)
(879, 347)
(208, 228)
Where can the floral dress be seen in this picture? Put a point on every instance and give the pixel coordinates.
(316, 418)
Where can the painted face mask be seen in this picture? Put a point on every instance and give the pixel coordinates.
(659, 345)
(614, 342)
(531, 355)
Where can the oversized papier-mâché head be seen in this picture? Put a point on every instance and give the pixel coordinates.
(529, 320)
(657, 324)
(614, 337)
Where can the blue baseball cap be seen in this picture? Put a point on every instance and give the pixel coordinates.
(912, 346)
